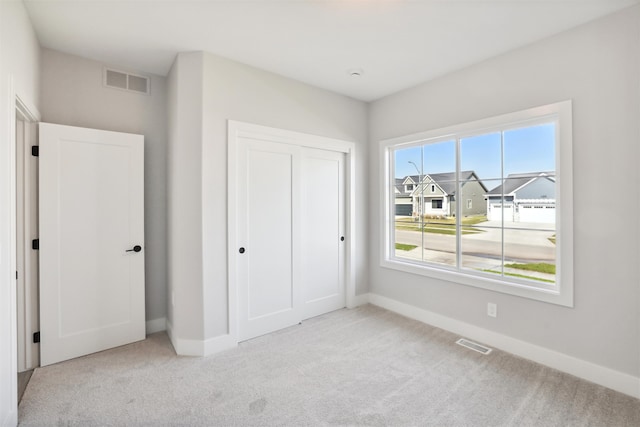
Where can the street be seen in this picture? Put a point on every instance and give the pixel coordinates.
(521, 245)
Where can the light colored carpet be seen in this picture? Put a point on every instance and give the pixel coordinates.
(365, 366)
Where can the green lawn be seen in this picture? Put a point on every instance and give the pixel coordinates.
(441, 225)
(541, 267)
(405, 247)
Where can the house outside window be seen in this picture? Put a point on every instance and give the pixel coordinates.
(510, 229)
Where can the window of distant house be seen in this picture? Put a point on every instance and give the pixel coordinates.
(409, 187)
(501, 222)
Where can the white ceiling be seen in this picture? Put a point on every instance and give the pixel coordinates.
(398, 43)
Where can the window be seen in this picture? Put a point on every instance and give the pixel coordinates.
(433, 188)
(409, 187)
(515, 167)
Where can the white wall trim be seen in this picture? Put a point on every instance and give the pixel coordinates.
(220, 343)
(11, 419)
(185, 347)
(615, 380)
(358, 300)
(156, 325)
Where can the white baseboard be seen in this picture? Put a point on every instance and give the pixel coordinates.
(619, 381)
(188, 347)
(358, 300)
(156, 325)
(217, 344)
(11, 419)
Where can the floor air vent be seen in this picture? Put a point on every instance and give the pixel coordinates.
(126, 81)
(473, 346)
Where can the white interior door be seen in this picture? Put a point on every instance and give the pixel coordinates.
(268, 180)
(91, 241)
(322, 230)
(290, 264)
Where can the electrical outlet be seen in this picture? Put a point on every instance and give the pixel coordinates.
(492, 309)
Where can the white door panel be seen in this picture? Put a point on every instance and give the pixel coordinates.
(322, 276)
(91, 215)
(267, 296)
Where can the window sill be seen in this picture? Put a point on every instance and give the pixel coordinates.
(552, 294)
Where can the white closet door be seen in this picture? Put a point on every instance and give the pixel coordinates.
(323, 219)
(91, 240)
(290, 260)
(268, 182)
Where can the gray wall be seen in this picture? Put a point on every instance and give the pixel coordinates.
(72, 94)
(473, 190)
(538, 188)
(233, 91)
(597, 66)
(184, 112)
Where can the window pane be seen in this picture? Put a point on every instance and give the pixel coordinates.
(408, 226)
(482, 155)
(439, 237)
(408, 238)
(530, 150)
(438, 201)
(482, 248)
(530, 254)
(481, 241)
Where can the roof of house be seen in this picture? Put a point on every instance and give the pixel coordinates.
(446, 181)
(515, 181)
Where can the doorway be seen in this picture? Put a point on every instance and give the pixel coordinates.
(26, 210)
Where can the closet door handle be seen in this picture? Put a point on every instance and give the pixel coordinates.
(241, 250)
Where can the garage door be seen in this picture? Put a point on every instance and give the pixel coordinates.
(405, 210)
(538, 213)
(495, 212)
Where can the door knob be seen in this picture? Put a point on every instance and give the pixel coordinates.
(136, 248)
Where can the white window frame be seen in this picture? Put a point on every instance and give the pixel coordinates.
(561, 292)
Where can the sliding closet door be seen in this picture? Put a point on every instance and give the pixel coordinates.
(322, 231)
(268, 209)
(290, 228)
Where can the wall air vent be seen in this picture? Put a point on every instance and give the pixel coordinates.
(127, 81)
(473, 346)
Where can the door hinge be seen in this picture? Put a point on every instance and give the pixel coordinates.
(36, 337)
(16, 275)
(35, 151)
(35, 244)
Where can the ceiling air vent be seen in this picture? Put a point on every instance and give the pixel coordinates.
(473, 346)
(126, 81)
